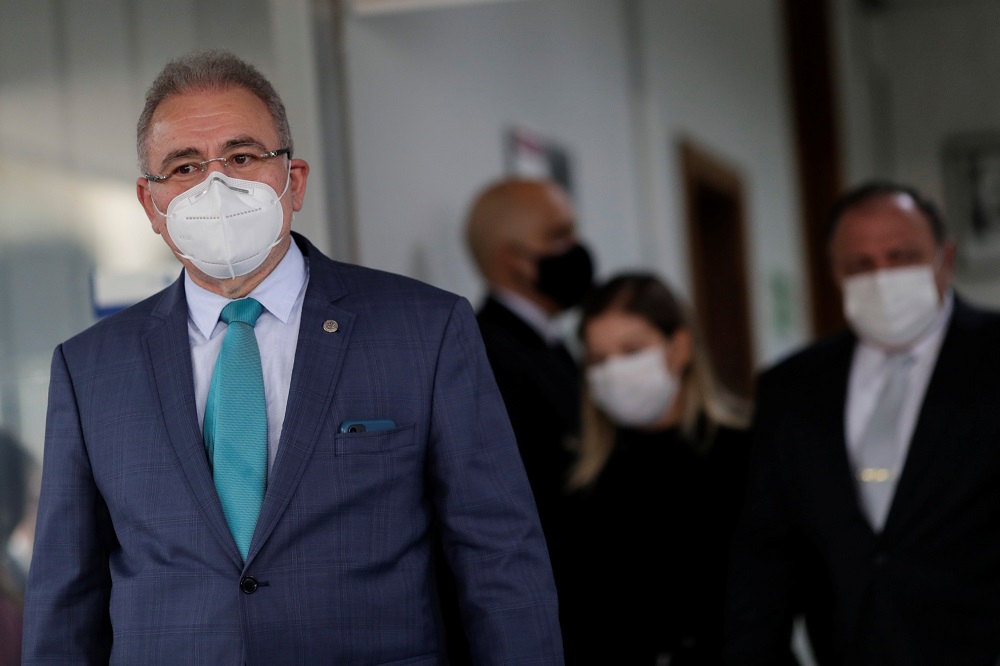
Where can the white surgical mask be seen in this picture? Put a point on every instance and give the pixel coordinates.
(633, 390)
(225, 226)
(894, 307)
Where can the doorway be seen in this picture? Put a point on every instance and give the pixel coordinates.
(715, 211)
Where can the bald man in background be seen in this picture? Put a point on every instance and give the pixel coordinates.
(522, 235)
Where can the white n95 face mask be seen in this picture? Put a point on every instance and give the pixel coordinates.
(226, 226)
(892, 307)
(633, 390)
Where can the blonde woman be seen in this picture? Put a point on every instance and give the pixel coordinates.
(658, 480)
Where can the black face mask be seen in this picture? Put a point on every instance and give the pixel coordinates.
(566, 278)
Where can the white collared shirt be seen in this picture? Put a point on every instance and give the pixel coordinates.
(277, 330)
(869, 374)
(548, 328)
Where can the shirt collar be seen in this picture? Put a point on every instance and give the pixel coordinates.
(548, 328)
(277, 293)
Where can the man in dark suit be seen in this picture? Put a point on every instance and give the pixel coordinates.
(384, 426)
(876, 462)
(522, 236)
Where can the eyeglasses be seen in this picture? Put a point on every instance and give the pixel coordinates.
(237, 163)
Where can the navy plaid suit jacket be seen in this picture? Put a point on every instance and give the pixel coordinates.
(134, 562)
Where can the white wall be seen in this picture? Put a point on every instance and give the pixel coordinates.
(432, 92)
(716, 75)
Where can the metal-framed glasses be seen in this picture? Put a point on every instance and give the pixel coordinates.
(237, 163)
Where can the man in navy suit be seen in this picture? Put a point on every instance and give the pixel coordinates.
(384, 430)
(874, 494)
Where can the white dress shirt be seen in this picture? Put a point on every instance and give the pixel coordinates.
(548, 328)
(869, 374)
(277, 330)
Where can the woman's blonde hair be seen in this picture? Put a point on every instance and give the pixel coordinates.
(707, 404)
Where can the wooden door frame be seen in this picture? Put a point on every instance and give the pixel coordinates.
(700, 167)
(816, 131)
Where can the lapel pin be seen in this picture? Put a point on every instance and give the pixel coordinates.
(331, 326)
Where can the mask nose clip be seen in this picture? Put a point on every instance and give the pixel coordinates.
(215, 179)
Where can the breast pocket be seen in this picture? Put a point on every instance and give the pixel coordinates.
(376, 442)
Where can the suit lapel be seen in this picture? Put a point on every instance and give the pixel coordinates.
(946, 393)
(319, 355)
(170, 358)
(831, 446)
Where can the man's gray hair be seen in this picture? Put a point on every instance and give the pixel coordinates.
(209, 70)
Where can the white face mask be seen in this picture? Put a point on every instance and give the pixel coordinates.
(633, 390)
(892, 308)
(225, 226)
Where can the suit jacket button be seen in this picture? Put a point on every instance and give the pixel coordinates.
(248, 585)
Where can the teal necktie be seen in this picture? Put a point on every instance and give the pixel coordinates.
(236, 422)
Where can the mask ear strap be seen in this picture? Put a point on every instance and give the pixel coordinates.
(155, 207)
(288, 180)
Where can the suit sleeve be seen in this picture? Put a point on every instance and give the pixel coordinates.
(492, 538)
(69, 584)
(761, 605)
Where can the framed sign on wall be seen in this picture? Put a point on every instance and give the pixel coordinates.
(971, 170)
(529, 154)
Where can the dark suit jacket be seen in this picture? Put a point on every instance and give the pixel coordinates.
(541, 389)
(926, 590)
(134, 562)
(651, 551)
